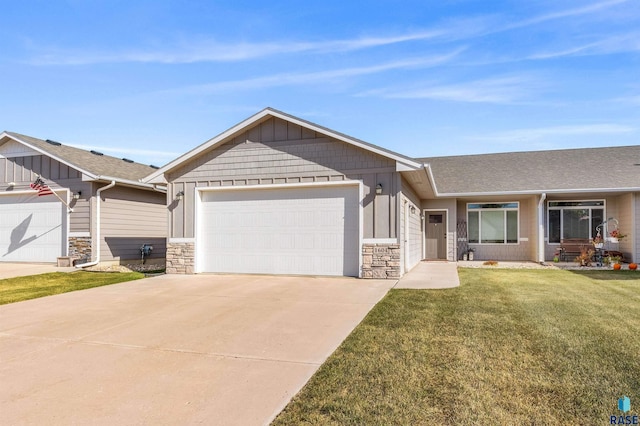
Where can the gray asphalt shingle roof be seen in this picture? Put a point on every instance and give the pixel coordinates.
(98, 165)
(536, 171)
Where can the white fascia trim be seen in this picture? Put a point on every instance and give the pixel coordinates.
(380, 241)
(181, 240)
(212, 143)
(48, 154)
(132, 183)
(32, 191)
(537, 192)
(277, 185)
(83, 234)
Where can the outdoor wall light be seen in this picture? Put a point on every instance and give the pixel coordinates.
(77, 195)
(413, 210)
(379, 189)
(179, 195)
(421, 216)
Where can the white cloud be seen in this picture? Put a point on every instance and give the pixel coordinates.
(196, 50)
(192, 51)
(292, 79)
(610, 45)
(536, 133)
(502, 90)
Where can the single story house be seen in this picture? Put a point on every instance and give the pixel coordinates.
(99, 211)
(278, 194)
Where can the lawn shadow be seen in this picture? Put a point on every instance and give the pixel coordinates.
(609, 275)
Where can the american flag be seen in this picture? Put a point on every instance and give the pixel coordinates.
(41, 187)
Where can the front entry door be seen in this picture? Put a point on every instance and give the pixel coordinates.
(436, 235)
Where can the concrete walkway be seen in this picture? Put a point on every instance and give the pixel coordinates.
(174, 349)
(17, 269)
(431, 275)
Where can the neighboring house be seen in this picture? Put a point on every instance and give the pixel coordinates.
(111, 213)
(519, 206)
(277, 194)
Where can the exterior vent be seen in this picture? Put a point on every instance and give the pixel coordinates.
(54, 143)
(127, 160)
(96, 152)
(154, 167)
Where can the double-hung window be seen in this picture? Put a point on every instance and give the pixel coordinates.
(492, 223)
(574, 219)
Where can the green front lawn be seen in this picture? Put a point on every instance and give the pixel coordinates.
(33, 286)
(506, 347)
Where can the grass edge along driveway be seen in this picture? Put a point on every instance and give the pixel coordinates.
(33, 286)
(506, 347)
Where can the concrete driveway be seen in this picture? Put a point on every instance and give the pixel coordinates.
(207, 349)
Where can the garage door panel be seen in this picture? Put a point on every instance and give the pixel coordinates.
(286, 230)
(32, 229)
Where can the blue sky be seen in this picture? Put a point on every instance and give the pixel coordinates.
(150, 80)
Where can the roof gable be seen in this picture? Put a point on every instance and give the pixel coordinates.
(95, 166)
(11, 148)
(402, 162)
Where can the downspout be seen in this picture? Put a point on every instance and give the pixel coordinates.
(98, 192)
(543, 197)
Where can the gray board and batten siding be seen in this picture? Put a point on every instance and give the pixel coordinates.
(276, 151)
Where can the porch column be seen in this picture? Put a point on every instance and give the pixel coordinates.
(543, 197)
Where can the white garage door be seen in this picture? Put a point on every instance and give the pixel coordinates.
(32, 228)
(302, 230)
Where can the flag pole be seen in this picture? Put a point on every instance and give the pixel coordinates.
(63, 201)
(70, 210)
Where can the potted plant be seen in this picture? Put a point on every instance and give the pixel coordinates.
(598, 242)
(616, 235)
(470, 252)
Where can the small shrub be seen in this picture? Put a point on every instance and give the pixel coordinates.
(490, 263)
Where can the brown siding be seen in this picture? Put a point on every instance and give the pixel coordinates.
(130, 218)
(278, 152)
(23, 171)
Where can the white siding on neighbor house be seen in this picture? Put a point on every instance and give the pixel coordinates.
(415, 238)
(129, 218)
(278, 152)
(24, 170)
(32, 229)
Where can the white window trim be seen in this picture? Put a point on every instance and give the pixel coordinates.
(502, 209)
(604, 214)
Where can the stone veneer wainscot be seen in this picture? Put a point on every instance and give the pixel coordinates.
(80, 249)
(180, 258)
(381, 261)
